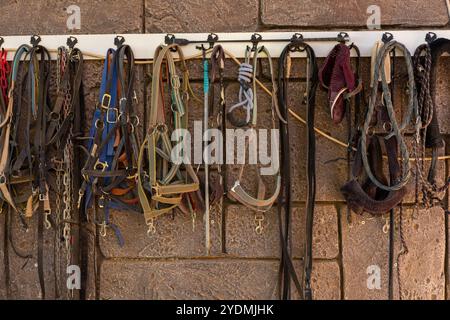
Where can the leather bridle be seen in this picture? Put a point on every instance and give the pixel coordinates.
(376, 194)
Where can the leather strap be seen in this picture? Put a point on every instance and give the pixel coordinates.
(287, 272)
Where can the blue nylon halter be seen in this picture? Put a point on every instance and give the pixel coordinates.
(107, 154)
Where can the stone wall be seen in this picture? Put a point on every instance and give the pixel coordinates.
(242, 264)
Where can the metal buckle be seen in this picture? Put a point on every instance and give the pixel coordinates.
(97, 122)
(43, 196)
(101, 202)
(102, 165)
(103, 226)
(2, 178)
(236, 184)
(104, 105)
(80, 198)
(155, 191)
(116, 115)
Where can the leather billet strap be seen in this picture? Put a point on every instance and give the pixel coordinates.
(162, 186)
(287, 271)
(237, 192)
(396, 128)
(216, 118)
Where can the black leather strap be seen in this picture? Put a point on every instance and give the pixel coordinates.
(287, 272)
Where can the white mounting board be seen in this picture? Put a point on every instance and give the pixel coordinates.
(144, 45)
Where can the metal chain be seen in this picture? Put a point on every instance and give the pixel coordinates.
(403, 251)
(64, 166)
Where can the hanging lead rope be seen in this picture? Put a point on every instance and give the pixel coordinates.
(245, 78)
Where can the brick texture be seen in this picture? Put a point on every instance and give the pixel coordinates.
(196, 279)
(50, 17)
(184, 16)
(422, 272)
(364, 245)
(350, 13)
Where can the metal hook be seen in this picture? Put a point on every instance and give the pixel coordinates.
(119, 41)
(35, 40)
(297, 37)
(430, 37)
(297, 40)
(255, 39)
(212, 39)
(71, 42)
(387, 37)
(343, 37)
(169, 38)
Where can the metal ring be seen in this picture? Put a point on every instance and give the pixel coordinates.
(137, 121)
(386, 125)
(97, 122)
(54, 116)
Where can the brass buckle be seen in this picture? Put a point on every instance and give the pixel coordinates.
(155, 191)
(104, 105)
(101, 202)
(102, 166)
